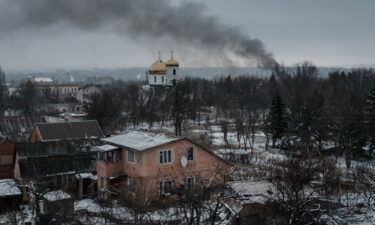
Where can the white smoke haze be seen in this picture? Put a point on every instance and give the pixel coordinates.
(150, 22)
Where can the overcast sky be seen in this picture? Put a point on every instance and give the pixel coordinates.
(326, 32)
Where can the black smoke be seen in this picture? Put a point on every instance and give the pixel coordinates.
(186, 24)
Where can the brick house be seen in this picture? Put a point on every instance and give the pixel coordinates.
(79, 130)
(151, 165)
(7, 153)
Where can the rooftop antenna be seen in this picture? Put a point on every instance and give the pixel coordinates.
(172, 54)
(160, 55)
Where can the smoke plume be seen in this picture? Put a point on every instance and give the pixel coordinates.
(186, 24)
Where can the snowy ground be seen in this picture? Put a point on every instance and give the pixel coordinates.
(92, 213)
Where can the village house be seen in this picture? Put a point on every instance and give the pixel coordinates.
(44, 132)
(7, 153)
(54, 165)
(150, 165)
(18, 128)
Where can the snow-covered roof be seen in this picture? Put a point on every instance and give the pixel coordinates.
(106, 148)
(86, 175)
(252, 191)
(56, 196)
(140, 140)
(8, 187)
(43, 79)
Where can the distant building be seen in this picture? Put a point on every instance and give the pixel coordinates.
(44, 132)
(60, 90)
(151, 165)
(95, 80)
(85, 93)
(163, 73)
(46, 86)
(66, 113)
(72, 117)
(38, 80)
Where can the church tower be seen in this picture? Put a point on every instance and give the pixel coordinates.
(162, 73)
(172, 70)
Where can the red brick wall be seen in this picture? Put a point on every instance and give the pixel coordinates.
(205, 167)
(34, 136)
(7, 148)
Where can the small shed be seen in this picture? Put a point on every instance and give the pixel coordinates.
(58, 203)
(10, 195)
(247, 200)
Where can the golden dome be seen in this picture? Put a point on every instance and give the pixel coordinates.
(172, 61)
(157, 67)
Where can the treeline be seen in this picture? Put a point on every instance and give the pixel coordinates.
(294, 105)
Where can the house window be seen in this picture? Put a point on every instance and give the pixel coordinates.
(6, 159)
(174, 71)
(116, 156)
(102, 156)
(190, 153)
(101, 182)
(131, 184)
(191, 182)
(162, 79)
(130, 156)
(165, 156)
(155, 79)
(165, 188)
(109, 156)
(65, 180)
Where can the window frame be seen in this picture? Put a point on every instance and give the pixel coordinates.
(190, 185)
(65, 180)
(193, 153)
(155, 79)
(128, 158)
(101, 182)
(6, 160)
(116, 155)
(162, 188)
(165, 158)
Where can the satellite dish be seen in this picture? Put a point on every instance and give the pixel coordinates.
(184, 161)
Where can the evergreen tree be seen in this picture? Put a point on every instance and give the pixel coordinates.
(276, 123)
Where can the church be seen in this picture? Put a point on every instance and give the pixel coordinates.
(162, 73)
